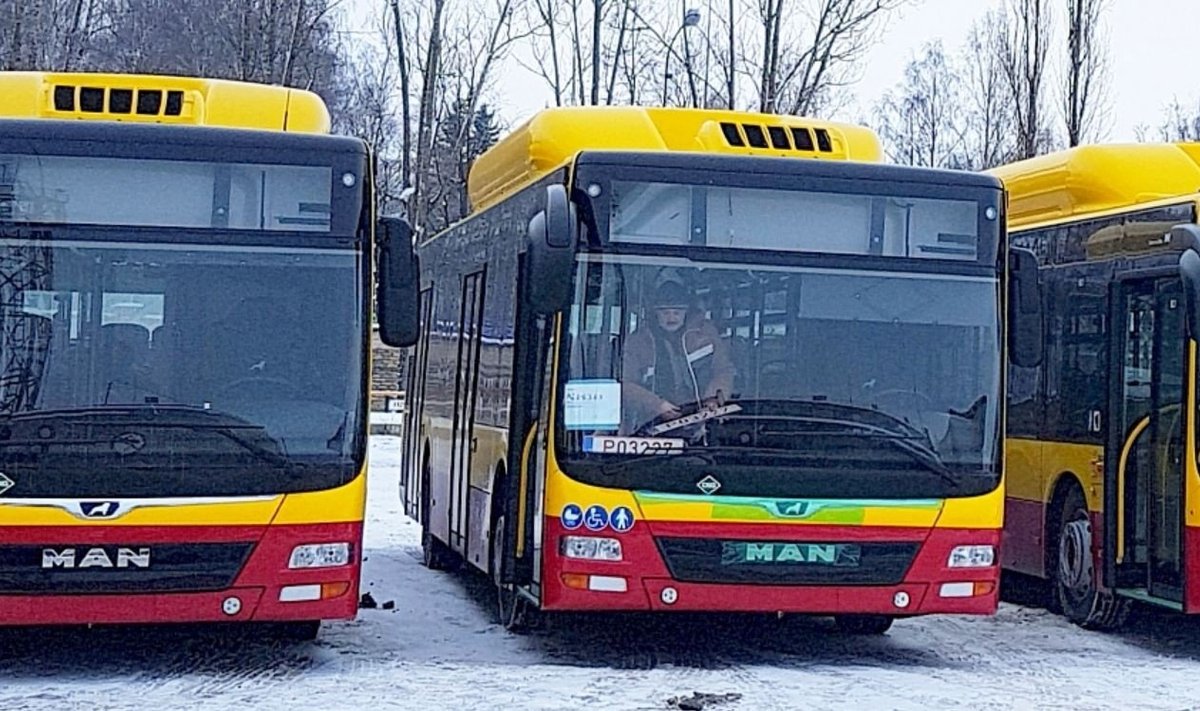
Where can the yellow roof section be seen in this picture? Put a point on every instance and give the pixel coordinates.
(1094, 179)
(554, 136)
(161, 99)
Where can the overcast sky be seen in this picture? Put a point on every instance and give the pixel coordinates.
(1152, 56)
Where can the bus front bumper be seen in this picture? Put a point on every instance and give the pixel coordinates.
(160, 574)
(643, 581)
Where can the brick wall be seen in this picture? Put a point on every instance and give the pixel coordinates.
(387, 371)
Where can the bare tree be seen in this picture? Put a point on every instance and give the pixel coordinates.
(368, 110)
(403, 63)
(1180, 123)
(1083, 98)
(988, 132)
(810, 48)
(921, 122)
(268, 41)
(427, 112)
(49, 34)
(595, 51)
(1024, 51)
(455, 52)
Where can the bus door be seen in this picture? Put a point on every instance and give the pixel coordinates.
(414, 408)
(462, 439)
(1148, 436)
(533, 377)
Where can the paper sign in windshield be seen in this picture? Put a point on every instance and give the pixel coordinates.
(592, 405)
(632, 445)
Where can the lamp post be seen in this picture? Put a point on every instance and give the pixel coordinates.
(691, 18)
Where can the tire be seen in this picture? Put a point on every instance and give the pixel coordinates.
(435, 554)
(872, 625)
(1075, 580)
(513, 611)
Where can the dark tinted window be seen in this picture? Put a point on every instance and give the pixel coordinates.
(177, 371)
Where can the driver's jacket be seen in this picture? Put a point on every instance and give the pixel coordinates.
(690, 365)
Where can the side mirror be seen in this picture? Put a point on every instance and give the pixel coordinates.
(1024, 309)
(553, 238)
(1189, 271)
(396, 288)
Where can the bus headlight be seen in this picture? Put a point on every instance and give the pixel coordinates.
(972, 557)
(590, 548)
(320, 555)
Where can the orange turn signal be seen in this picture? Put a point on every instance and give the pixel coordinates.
(332, 590)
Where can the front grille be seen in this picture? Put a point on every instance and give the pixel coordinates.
(124, 568)
(709, 560)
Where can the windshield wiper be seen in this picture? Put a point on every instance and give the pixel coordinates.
(911, 443)
(925, 455)
(831, 412)
(187, 417)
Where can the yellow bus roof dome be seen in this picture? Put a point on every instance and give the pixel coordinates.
(161, 99)
(1092, 179)
(553, 137)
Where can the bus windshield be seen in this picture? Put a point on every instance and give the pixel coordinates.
(835, 373)
(135, 369)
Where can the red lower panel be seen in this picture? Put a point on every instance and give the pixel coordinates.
(1024, 544)
(646, 574)
(256, 587)
(1191, 569)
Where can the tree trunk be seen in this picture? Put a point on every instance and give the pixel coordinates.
(405, 99)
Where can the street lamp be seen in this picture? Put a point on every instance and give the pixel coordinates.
(691, 18)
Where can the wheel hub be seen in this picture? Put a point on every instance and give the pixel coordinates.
(1075, 556)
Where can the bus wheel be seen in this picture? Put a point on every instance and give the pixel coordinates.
(512, 610)
(863, 624)
(436, 555)
(1075, 577)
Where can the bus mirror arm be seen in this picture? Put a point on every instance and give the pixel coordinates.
(1024, 309)
(397, 283)
(553, 237)
(1188, 236)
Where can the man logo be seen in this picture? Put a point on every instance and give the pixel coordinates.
(99, 509)
(68, 558)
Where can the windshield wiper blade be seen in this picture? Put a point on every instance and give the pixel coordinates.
(926, 456)
(186, 417)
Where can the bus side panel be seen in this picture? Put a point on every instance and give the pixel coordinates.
(488, 245)
(1023, 548)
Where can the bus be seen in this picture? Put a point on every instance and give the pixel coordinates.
(184, 339)
(694, 360)
(1102, 477)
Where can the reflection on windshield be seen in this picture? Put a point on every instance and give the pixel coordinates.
(217, 361)
(887, 367)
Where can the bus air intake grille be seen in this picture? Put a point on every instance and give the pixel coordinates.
(119, 102)
(793, 139)
(708, 560)
(101, 569)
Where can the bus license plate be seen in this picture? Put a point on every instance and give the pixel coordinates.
(601, 444)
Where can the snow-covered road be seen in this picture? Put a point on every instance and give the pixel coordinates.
(437, 649)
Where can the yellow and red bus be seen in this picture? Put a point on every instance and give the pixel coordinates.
(184, 342)
(848, 463)
(1101, 443)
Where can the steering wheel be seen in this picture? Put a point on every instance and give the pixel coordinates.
(259, 380)
(684, 410)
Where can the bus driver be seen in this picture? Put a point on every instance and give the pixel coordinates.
(676, 358)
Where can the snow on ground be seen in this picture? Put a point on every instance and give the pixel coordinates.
(439, 650)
